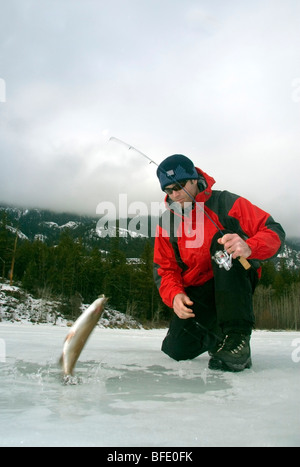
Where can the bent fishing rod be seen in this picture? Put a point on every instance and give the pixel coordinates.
(222, 258)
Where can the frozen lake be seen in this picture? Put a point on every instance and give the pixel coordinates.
(131, 394)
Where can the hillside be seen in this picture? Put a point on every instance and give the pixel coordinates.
(18, 306)
(47, 226)
(62, 258)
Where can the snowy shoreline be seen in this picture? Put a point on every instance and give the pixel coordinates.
(18, 306)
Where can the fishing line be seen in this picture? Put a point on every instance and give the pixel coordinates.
(222, 258)
(173, 179)
(217, 338)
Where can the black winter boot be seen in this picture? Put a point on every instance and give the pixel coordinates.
(233, 354)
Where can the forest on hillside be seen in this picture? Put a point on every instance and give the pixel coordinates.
(78, 273)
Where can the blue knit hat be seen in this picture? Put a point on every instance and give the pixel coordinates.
(176, 168)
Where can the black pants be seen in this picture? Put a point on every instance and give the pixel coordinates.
(221, 304)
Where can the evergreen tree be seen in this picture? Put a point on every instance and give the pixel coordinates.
(268, 274)
(68, 259)
(283, 279)
(93, 275)
(116, 277)
(34, 260)
(6, 245)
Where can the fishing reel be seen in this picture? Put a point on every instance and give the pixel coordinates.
(223, 259)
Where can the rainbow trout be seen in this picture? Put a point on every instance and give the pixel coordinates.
(79, 334)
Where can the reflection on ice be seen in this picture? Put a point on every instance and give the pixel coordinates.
(159, 383)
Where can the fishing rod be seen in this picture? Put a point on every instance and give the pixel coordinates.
(222, 258)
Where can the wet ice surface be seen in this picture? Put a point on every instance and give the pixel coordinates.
(126, 392)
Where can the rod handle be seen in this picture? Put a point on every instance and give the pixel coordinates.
(244, 262)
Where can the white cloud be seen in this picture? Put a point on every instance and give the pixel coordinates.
(215, 82)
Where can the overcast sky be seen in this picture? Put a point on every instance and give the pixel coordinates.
(216, 80)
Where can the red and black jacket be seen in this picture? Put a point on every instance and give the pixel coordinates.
(177, 266)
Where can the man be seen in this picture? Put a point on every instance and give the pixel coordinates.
(212, 304)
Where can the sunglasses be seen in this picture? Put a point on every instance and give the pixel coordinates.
(176, 187)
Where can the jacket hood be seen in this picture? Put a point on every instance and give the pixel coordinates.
(205, 194)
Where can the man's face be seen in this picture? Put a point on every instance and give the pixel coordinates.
(179, 195)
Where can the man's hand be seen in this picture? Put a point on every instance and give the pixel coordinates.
(235, 245)
(181, 303)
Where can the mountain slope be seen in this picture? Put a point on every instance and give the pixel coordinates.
(47, 226)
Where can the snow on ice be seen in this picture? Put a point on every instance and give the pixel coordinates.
(128, 393)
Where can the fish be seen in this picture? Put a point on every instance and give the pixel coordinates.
(79, 334)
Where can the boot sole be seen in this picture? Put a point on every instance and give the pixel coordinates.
(217, 364)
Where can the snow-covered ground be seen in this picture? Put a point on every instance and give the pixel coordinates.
(17, 305)
(130, 394)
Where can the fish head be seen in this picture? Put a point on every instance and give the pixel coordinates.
(100, 303)
(96, 309)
